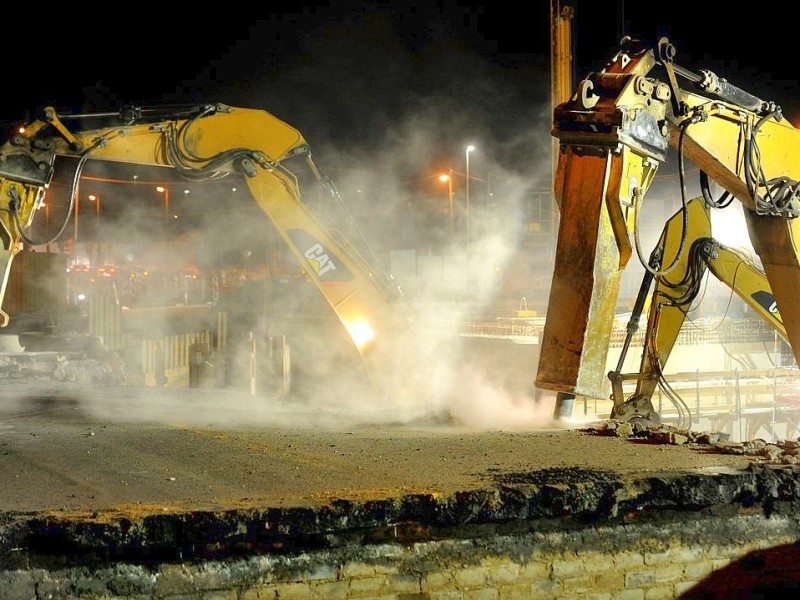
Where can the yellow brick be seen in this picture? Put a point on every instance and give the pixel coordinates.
(684, 554)
(668, 573)
(369, 585)
(638, 579)
(596, 563)
(567, 568)
(536, 571)
(405, 584)
(293, 591)
(260, 592)
(698, 570)
(437, 580)
(683, 587)
(507, 573)
(352, 570)
(334, 590)
(356, 569)
(610, 581)
(577, 585)
(627, 560)
(546, 590)
(656, 558)
(475, 577)
(659, 593)
(519, 591)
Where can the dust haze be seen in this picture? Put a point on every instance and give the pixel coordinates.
(456, 255)
(384, 126)
(450, 267)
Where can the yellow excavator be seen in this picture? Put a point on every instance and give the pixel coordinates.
(692, 252)
(613, 134)
(210, 142)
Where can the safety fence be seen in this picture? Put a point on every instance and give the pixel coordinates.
(168, 361)
(151, 357)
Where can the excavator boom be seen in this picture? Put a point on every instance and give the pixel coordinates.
(614, 133)
(685, 243)
(200, 143)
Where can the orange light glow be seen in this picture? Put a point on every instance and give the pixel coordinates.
(361, 332)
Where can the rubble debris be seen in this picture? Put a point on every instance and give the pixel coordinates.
(76, 358)
(780, 452)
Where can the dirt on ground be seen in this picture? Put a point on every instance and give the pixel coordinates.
(122, 450)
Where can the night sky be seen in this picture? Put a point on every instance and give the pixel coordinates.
(350, 75)
(346, 73)
(386, 92)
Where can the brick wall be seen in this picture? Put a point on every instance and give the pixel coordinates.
(677, 555)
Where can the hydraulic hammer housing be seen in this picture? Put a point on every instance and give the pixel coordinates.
(612, 138)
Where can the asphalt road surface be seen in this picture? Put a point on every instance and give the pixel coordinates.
(129, 451)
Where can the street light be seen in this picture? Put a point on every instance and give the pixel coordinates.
(44, 204)
(449, 180)
(75, 235)
(96, 200)
(469, 149)
(165, 190)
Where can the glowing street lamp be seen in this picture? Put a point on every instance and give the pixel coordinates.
(468, 149)
(448, 178)
(93, 198)
(96, 200)
(44, 204)
(75, 234)
(165, 190)
(186, 193)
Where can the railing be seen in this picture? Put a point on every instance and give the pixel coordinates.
(515, 329)
(698, 332)
(743, 404)
(156, 360)
(166, 361)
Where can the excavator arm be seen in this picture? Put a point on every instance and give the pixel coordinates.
(206, 142)
(614, 133)
(673, 296)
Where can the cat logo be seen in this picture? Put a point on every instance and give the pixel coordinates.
(320, 259)
(321, 262)
(768, 303)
